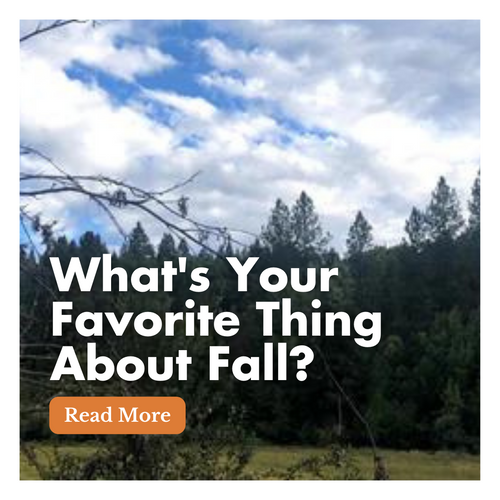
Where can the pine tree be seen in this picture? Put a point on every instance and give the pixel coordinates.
(91, 245)
(138, 247)
(475, 204)
(226, 248)
(166, 248)
(360, 237)
(416, 228)
(443, 212)
(183, 248)
(308, 236)
(278, 231)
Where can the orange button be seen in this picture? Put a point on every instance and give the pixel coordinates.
(103, 415)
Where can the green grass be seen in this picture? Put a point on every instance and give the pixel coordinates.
(401, 464)
(43, 451)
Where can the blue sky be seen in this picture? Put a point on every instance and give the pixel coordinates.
(361, 115)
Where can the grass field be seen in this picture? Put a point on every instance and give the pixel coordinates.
(401, 464)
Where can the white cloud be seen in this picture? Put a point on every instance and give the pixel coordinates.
(361, 116)
(79, 125)
(109, 47)
(250, 88)
(126, 62)
(194, 107)
(395, 94)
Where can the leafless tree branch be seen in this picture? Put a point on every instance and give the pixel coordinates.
(111, 194)
(41, 28)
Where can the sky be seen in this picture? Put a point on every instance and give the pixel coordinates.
(362, 115)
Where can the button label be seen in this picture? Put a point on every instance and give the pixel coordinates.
(117, 415)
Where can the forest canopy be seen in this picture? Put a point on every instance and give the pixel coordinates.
(418, 387)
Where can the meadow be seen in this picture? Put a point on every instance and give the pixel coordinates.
(402, 465)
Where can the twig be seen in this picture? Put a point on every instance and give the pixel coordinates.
(49, 27)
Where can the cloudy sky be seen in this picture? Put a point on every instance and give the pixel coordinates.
(360, 115)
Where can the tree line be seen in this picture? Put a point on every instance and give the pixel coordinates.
(418, 388)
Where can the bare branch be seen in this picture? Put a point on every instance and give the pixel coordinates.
(111, 193)
(48, 27)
